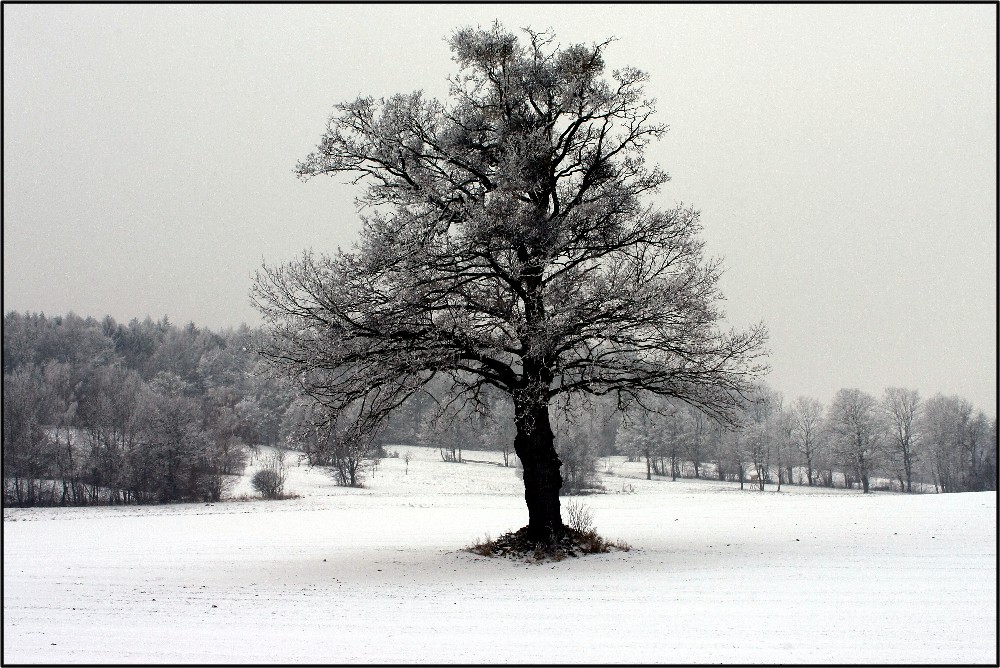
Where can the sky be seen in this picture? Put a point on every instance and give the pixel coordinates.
(843, 158)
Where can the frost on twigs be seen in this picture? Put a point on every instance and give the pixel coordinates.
(518, 545)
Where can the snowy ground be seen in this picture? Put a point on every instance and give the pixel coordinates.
(378, 575)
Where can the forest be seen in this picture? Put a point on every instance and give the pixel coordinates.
(99, 412)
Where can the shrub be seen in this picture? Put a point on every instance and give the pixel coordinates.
(580, 517)
(269, 481)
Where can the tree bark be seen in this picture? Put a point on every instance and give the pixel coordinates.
(534, 444)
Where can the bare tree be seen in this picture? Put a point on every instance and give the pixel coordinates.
(658, 433)
(733, 455)
(506, 243)
(807, 422)
(637, 439)
(673, 425)
(981, 453)
(758, 430)
(447, 431)
(857, 427)
(902, 408)
(960, 444)
(334, 441)
(782, 427)
(28, 450)
(699, 436)
(117, 415)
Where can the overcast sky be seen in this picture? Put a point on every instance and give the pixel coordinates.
(843, 158)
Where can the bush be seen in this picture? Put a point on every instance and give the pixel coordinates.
(269, 481)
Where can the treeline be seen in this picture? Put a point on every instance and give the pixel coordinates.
(100, 412)
(96, 411)
(897, 441)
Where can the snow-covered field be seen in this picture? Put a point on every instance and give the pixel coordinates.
(378, 575)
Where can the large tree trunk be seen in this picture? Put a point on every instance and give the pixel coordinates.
(534, 444)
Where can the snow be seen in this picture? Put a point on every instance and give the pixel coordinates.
(378, 575)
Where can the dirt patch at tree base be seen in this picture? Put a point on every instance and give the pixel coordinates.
(519, 545)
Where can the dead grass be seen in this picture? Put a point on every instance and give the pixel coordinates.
(257, 497)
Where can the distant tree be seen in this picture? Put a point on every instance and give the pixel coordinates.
(675, 434)
(507, 244)
(174, 441)
(575, 442)
(498, 428)
(782, 429)
(698, 429)
(659, 434)
(757, 445)
(181, 353)
(988, 463)
(448, 431)
(857, 426)
(942, 425)
(35, 339)
(114, 414)
(637, 439)
(29, 452)
(137, 343)
(960, 444)
(336, 444)
(759, 433)
(807, 431)
(63, 416)
(733, 455)
(225, 454)
(20, 334)
(981, 451)
(902, 408)
(99, 395)
(717, 454)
